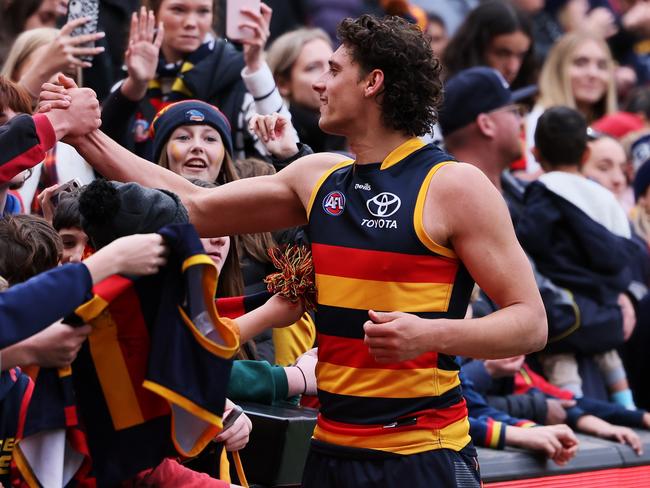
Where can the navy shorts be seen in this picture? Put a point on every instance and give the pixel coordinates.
(331, 467)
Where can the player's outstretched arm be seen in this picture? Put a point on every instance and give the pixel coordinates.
(251, 205)
(463, 211)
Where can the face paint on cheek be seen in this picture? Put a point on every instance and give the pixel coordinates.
(175, 152)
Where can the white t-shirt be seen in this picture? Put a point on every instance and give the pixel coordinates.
(69, 165)
(595, 200)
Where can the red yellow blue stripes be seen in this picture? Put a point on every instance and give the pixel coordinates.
(120, 353)
(354, 353)
(493, 434)
(436, 429)
(366, 279)
(373, 265)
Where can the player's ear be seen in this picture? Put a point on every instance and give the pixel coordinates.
(374, 83)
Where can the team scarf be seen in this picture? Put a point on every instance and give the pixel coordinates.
(157, 99)
(211, 73)
(149, 383)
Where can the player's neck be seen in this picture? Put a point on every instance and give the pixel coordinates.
(375, 146)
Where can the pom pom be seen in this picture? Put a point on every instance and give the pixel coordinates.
(99, 203)
(295, 277)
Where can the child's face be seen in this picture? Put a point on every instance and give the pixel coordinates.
(196, 151)
(74, 243)
(217, 248)
(606, 164)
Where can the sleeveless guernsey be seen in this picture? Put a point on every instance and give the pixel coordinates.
(371, 251)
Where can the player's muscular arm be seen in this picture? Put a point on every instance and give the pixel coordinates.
(250, 205)
(479, 229)
(463, 211)
(261, 204)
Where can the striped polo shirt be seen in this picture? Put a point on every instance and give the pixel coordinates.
(371, 251)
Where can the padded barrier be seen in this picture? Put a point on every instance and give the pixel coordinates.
(277, 450)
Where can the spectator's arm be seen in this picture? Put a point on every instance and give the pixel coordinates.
(487, 432)
(529, 406)
(257, 381)
(24, 141)
(612, 412)
(28, 307)
(263, 98)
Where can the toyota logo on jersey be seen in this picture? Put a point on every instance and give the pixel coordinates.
(384, 205)
(334, 203)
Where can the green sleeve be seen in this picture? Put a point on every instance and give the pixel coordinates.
(257, 381)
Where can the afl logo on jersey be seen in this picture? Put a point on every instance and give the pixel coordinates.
(334, 203)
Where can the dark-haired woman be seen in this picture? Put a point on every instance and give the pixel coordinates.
(494, 34)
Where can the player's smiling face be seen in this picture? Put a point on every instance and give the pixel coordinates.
(340, 93)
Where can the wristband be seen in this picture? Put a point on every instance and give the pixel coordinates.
(304, 379)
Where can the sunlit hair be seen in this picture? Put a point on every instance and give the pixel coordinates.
(555, 82)
(29, 245)
(23, 47)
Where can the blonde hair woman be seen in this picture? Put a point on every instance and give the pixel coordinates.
(578, 73)
(297, 59)
(39, 54)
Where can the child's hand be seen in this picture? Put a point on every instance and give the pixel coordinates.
(276, 133)
(283, 312)
(624, 435)
(45, 201)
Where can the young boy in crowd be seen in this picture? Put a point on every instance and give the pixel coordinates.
(29, 246)
(579, 237)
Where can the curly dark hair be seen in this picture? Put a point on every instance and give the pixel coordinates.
(412, 88)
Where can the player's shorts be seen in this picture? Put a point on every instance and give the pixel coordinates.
(340, 467)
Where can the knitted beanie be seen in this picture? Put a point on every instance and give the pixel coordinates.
(642, 180)
(188, 112)
(110, 210)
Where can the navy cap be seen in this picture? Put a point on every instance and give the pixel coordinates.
(188, 112)
(642, 180)
(474, 91)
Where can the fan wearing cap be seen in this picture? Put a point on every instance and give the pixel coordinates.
(192, 138)
(481, 121)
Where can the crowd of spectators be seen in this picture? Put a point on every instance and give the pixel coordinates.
(548, 98)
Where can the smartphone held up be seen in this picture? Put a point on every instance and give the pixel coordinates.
(67, 187)
(235, 18)
(90, 10)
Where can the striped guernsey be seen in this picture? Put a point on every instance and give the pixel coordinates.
(371, 251)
